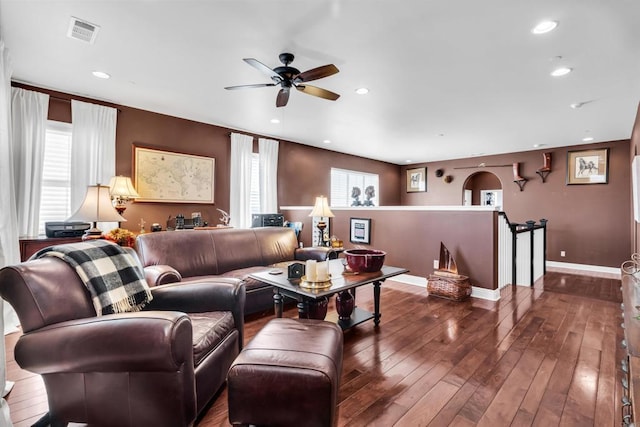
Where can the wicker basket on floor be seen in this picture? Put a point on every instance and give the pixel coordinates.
(453, 288)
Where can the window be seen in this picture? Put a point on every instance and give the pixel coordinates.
(56, 182)
(353, 188)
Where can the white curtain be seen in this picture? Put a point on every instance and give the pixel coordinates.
(9, 247)
(268, 150)
(28, 127)
(93, 153)
(240, 182)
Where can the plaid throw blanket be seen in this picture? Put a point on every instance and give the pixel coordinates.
(111, 274)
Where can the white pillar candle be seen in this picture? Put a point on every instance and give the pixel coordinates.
(310, 270)
(322, 271)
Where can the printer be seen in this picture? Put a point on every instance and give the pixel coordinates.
(66, 229)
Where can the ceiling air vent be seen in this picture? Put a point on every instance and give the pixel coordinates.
(82, 30)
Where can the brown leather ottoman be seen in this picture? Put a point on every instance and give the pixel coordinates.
(287, 375)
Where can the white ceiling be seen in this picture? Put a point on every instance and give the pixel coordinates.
(448, 79)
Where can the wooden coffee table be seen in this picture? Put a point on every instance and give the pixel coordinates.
(340, 281)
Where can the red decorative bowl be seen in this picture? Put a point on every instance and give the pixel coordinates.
(365, 260)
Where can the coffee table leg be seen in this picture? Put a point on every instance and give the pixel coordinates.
(302, 310)
(376, 302)
(277, 302)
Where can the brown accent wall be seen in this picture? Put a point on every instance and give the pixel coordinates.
(588, 222)
(412, 238)
(479, 181)
(303, 171)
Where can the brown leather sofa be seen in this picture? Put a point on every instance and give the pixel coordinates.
(195, 255)
(157, 367)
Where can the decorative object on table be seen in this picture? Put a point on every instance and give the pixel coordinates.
(445, 282)
(360, 230)
(122, 192)
(416, 180)
(121, 236)
(295, 270)
(364, 260)
(172, 177)
(355, 195)
(317, 308)
(316, 275)
(369, 194)
(156, 227)
(588, 166)
(336, 243)
(345, 303)
(519, 180)
(225, 218)
(142, 223)
(321, 213)
(96, 207)
(545, 170)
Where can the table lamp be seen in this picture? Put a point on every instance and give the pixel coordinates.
(122, 191)
(96, 207)
(322, 210)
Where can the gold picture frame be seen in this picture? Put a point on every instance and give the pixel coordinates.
(416, 180)
(172, 177)
(588, 166)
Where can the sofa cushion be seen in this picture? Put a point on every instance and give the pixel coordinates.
(209, 330)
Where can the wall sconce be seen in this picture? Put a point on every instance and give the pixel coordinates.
(546, 167)
(96, 207)
(321, 209)
(516, 176)
(121, 191)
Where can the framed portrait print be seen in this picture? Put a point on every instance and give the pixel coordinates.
(172, 177)
(588, 166)
(360, 230)
(416, 180)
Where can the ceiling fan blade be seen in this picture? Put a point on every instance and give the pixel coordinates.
(249, 86)
(317, 73)
(263, 69)
(319, 92)
(283, 97)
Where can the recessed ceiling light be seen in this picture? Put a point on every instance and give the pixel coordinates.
(544, 27)
(327, 141)
(101, 74)
(362, 91)
(562, 71)
(408, 161)
(576, 105)
(587, 139)
(538, 145)
(275, 121)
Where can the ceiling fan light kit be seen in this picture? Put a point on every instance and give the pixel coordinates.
(287, 77)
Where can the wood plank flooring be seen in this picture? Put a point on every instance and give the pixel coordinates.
(542, 356)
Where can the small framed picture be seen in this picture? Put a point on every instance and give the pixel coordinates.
(588, 166)
(416, 180)
(360, 230)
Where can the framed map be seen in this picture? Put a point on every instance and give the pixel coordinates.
(170, 177)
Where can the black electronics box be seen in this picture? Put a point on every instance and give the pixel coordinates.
(267, 220)
(66, 229)
(182, 223)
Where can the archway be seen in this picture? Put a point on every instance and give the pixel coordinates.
(482, 189)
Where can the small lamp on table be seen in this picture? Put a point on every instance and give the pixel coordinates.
(321, 209)
(95, 208)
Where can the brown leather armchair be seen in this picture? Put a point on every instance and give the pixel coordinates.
(157, 367)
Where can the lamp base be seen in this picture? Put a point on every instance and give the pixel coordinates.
(92, 234)
(321, 227)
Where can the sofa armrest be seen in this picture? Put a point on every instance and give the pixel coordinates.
(220, 294)
(126, 342)
(161, 275)
(319, 253)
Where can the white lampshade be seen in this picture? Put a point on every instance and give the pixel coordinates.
(122, 187)
(96, 207)
(321, 208)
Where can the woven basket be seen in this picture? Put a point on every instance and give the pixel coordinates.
(453, 288)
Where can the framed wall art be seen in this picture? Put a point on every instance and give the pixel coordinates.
(360, 230)
(172, 177)
(588, 166)
(416, 180)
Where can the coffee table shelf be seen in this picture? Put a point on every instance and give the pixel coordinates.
(358, 316)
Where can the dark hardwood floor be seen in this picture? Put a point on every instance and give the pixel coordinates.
(542, 356)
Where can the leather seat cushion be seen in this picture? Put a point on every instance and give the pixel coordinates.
(209, 330)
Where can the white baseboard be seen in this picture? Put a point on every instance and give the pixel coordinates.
(584, 267)
(476, 292)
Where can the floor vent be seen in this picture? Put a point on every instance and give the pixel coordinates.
(82, 30)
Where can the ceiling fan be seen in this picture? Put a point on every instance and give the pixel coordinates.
(287, 77)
